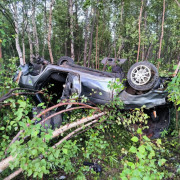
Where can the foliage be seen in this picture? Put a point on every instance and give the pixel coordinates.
(106, 143)
(174, 90)
(142, 162)
(116, 30)
(109, 143)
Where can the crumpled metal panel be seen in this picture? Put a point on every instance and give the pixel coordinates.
(151, 99)
(96, 88)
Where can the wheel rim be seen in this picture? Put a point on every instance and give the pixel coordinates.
(140, 75)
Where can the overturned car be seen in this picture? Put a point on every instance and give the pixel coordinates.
(143, 86)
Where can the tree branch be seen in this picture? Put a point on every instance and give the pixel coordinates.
(14, 174)
(177, 3)
(55, 114)
(5, 163)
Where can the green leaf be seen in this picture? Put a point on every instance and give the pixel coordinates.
(34, 152)
(29, 172)
(132, 149)
(134, 139)
(131, 164)
(35, 174)
(56, 154)
(161, 162)
(146, 138)
(159, 141)
(22, 103)
(40, 175)
(2, 128)
(139, 131)
(141, 149)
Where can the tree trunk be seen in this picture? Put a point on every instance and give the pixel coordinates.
(49, 32)
(30, 46)
(23, 45)
(86, 37)
(122, 11)
(35, 35)
(97, 42)
(120, 49)
(65, 46)
(145, 29)
(24, 26)
(91, 39)
(148, 52)
(18, 48)
(162, 33)
(71, 27)
(45, 29)
(140, 15)
(0, 50)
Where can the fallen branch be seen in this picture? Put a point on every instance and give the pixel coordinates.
(47, 110)
(72, 133)
(13, 140)
(14, 174)
(17, 172)
(5, 163)
(74, 124)
(62, 104)
(87, 129)
(10, 93)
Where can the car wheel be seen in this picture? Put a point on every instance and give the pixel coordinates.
(142, 76)
(64, 60)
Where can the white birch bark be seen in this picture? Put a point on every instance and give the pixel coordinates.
(35, 35)
(71, 27)
(30, 45)
(49, 32)
(86, 37)
(45, 30)
(18, 48)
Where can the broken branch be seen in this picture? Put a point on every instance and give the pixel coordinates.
(14, 174)
(17, 172)
(5, 163)
(47, 110)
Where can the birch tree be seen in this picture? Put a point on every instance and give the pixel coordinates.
(35, 34)
(93, 12)
(18, 48)
(71, 27)
(49, 31)
(140, 16)
(162, 33)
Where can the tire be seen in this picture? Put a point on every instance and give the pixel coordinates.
(142, 76)
(64, 60)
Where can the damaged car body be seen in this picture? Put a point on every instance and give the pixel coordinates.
(143, 86)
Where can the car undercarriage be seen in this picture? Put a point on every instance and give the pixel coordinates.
(143, 87)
